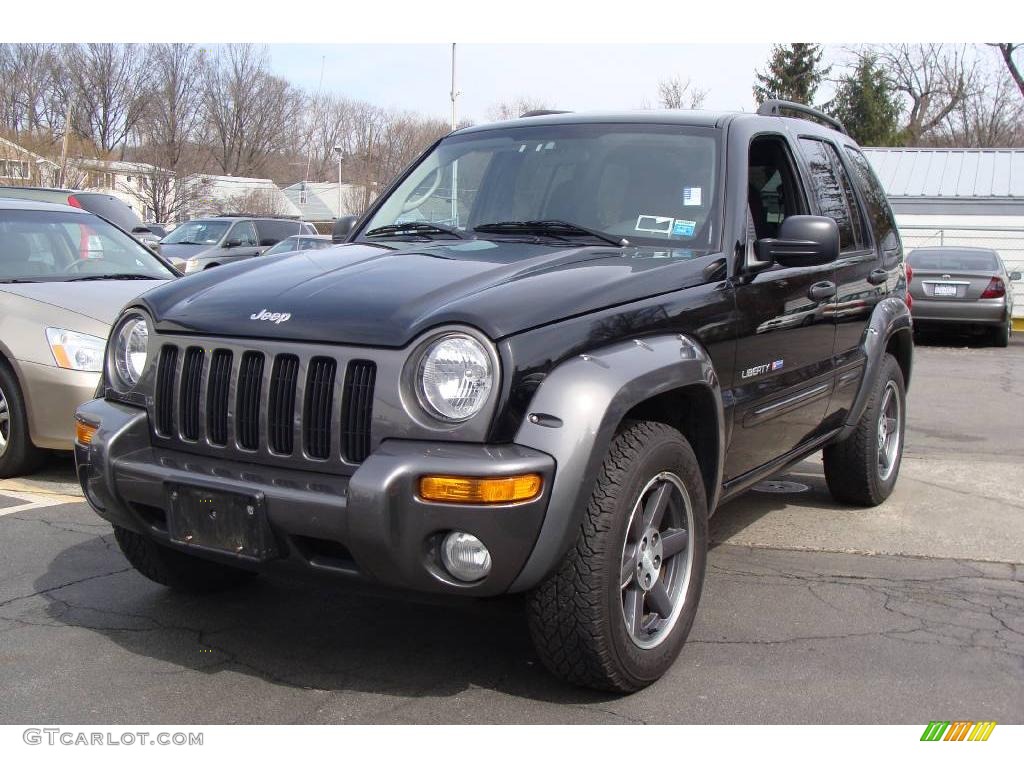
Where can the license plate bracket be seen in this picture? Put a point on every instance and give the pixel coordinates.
(220, 521)
(944, 289)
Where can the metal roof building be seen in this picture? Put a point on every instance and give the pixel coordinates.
(953, 181)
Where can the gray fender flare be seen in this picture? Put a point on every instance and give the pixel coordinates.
(890, 316)
(573, 417)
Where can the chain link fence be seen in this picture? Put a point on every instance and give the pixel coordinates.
(1007, 241)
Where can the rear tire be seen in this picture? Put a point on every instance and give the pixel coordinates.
(18, 456)
(862, 469)
(1001, 334)
(601, 619)
(181, 572)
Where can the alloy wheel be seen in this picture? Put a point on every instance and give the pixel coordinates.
(889, 433)
(657, 560)
(5, 423)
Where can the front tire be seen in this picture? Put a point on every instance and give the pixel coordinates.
(177, 570)
(18, 456)
(616, 613)
(862, 469)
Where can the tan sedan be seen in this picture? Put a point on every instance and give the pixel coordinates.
(65, 274)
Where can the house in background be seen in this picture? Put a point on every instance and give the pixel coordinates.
(129, 182)
(322, 202)
(970, 197)
(21, 167)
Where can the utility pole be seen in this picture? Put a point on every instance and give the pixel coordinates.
(64, 145)
(454, 93)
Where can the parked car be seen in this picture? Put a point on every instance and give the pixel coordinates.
(203, 243)
(65, 273)
(112, 209)
(299, 243)
(962, 288)
(540, 381)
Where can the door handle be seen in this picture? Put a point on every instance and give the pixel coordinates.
(821, 291)
(878, 276)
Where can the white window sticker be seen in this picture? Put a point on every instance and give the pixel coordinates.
(659, 225)
(691, 196)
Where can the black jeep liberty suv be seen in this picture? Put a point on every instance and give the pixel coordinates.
(537, 364)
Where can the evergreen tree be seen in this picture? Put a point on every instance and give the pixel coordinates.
(867, 105)
(794, 74)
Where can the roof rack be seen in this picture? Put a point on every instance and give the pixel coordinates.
(283, 216)
(541, 112)
(775, 107)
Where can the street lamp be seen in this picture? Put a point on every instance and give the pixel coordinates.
(339, 153)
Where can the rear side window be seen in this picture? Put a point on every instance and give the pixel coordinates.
(879, 213)
(273, 231)
(834, 192)
(110, 208)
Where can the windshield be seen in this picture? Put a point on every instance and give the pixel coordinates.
(48, 246)
(954, 261)
(648, 184)
(285, 246)
(198, 233)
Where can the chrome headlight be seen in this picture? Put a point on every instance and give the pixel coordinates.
(76, 351)
(129, 349)
(454, 378)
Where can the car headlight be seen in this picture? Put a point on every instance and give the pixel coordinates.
(128, 349)
(76, 351)
(455, 377)
(191, 265)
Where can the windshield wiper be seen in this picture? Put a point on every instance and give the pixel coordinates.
(414, 228)
(185, 242)
(20, 280)
(553, 227)
(113, 276)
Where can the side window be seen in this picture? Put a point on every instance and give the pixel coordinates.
(245, 233)
(879, 213)
(831, 187)
(772, 189)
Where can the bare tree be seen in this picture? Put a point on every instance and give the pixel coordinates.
(933, 79)
(27, 103)
(249, 111)
(1007, 50)
(169, 129)
(513, 108)
(991, 116)
(676, 93)
(106, 83)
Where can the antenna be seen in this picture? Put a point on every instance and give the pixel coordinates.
(454, 93)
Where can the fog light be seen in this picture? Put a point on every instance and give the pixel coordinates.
(465, 557)
(84, 432)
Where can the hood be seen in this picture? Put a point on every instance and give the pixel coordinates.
(100, 300)
(183, 250)
(382, 296)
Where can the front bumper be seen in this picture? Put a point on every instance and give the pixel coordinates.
(370, 525)
(52, 394)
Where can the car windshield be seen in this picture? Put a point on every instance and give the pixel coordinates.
(953, 261)
(312, 244)
(285, 246)
(48, 246)
(197, 233)
(645, 183)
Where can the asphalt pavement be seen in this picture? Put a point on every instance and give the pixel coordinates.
(811, 613)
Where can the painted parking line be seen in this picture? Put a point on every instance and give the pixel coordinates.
(30, 501)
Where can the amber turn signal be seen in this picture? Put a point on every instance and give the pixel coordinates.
(480, 490)
(84, 432)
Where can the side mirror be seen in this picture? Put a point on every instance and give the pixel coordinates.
(343, 226)
(803, 241)
(233, 243)
(1015, 276)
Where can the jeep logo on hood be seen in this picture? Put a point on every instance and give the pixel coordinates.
(274, 317)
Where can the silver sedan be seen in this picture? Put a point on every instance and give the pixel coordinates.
(955, 287)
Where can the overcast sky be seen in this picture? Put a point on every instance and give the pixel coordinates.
(573, 76)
